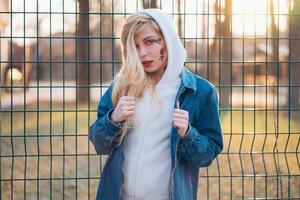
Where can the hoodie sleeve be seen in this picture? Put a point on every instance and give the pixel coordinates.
(103, 133)
(203, 141)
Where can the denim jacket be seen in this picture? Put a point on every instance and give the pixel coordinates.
(198, 148)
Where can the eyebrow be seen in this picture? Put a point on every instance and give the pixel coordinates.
(148, 38)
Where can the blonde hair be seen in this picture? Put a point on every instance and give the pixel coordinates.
(132, 80)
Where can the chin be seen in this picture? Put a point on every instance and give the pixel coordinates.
(148, 70)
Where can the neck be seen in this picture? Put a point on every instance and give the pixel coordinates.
(158, 76)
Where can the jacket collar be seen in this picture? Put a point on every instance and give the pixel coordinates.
(188, 80)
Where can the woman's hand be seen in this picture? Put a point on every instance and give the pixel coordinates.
(124, 109)
(181, 121)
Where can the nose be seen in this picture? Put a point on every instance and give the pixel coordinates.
(142, 51)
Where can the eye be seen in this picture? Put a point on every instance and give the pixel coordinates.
(148, 42)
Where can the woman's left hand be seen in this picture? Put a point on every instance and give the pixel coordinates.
(181, 121)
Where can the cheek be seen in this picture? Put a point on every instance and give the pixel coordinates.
(163, 51)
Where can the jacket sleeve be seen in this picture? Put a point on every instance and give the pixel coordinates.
(103, 133)
(203, 141)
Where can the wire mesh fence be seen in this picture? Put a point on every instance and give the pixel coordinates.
(59, 56)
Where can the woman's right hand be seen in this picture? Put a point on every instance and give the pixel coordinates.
(124, 109)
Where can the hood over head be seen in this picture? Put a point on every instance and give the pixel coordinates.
(176, 51)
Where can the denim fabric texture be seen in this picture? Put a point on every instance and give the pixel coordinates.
(198, 148)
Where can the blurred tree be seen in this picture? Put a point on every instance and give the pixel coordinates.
(82, 48)
(203, 54)
(272, 66)
(149, 4)
(104, 49)
(179, 18)
(226, 54)
(294, 25)
(220, 52)
(4, 18)
(213, 56)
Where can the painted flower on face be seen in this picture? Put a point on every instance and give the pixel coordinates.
(152, 51)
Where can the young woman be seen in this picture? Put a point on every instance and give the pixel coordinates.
(158, 123)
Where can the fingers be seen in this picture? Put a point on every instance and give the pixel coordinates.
(127, 110)
(181, 128)
(181, 121)
(176, 110)
(181, 114)
(127, 105)
(127, 101)
(127, 98)
(128, 113)
(124, 109)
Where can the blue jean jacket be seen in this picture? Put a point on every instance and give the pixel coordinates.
(198, 148)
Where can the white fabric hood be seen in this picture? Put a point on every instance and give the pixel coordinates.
(176, 51)
(147, 146)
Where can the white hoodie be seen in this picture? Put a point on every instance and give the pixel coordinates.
(147, 147)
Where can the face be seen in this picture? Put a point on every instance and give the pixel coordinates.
(152, 51)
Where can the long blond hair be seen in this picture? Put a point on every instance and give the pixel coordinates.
(132, 80)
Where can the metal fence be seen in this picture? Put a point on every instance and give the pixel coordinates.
(59, 56)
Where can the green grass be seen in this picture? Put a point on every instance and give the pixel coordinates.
(250, 166)
(54, 145)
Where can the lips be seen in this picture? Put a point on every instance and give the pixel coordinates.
(147, 63)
